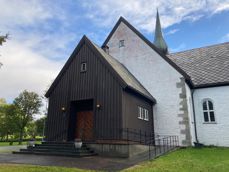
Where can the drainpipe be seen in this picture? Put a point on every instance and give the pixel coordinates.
(194, 115)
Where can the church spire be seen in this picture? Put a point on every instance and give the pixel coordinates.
(159, 41)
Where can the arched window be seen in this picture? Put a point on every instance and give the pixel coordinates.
(208, 110)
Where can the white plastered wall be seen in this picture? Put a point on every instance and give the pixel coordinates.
(155, 74)
(213, 133)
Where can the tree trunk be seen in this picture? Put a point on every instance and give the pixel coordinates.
(21, 136)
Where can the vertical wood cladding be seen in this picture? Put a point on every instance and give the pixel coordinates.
(130, 113)
(96, 83)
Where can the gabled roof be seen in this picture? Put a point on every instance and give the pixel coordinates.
(207, 66)
(168, 60)
(124, 76)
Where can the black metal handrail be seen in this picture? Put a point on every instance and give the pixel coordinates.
(158, 145)
(129, 135)
(161, 145)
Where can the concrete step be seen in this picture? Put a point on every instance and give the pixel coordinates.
(58, 154)
(55, 150)
(58, 149)
(58, 143)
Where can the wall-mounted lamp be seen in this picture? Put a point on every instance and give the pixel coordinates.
(63, 109)
(98, 106)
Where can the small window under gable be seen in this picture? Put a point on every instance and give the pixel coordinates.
(121, 43)
(83, 67)
(208, 111)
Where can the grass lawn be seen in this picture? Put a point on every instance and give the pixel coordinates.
(190, 159)
(15, 143)
(33, 168)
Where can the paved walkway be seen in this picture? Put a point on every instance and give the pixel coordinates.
(94, 162)
(9, 149)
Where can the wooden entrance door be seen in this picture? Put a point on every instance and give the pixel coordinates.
(84, 125)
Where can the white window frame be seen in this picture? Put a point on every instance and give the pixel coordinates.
(83, 67)
(146, 117)
(121, 43)
(208, 111)
(140, 112)
(143, 113)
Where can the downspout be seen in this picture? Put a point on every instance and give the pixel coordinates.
(194, 115)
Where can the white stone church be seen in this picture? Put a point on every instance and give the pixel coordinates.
(191, 87)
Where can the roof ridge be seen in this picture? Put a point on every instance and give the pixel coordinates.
(208, 46)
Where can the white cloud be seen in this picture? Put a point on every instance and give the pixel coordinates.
(37, 48)
(225, 38)
(14, 12)
(170, 32)
(222, 7)
(24, 69)
(142, 13)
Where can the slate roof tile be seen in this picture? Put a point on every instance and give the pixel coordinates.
(205, 65)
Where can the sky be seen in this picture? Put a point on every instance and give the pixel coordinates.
(43, 34)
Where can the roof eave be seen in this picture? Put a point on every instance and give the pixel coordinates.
(209, 85)
(151, 99)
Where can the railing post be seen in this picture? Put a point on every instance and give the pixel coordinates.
(177, 141)
(163, 140)
(149, 151)
(159, 145)
(167, 144)
(145, 137)
(155, 148)
(170, 142)
(128, 134)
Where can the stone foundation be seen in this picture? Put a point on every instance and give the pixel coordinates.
(118, 150)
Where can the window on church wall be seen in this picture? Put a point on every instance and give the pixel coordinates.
(146, 115)
(83, 67)
(143, 113)
(121, 43)
(208, 111)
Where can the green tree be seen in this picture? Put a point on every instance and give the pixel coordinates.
(40, 126)
(2, 101)
(31, 129)
(8, 120)
(3, 38)
(28, 104)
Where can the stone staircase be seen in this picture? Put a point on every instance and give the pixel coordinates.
(57, 149)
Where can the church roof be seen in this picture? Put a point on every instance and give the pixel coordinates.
(126, 79)
(207, 66)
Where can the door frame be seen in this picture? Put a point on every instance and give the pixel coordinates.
(77, 106)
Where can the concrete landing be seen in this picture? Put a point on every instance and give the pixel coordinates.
(93, 163)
